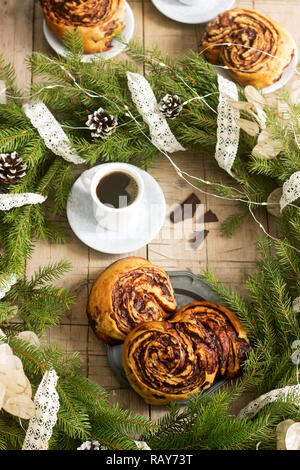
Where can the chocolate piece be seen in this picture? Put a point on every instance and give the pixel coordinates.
(198, 238)
(181, 213)
(209, 216)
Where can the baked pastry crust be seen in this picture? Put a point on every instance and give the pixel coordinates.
(161, 365)
(226, 329)
(130, 291)
(253, 33)
(98, 21)
(175, 359)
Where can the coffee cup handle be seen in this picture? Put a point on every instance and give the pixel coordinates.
(86, 181)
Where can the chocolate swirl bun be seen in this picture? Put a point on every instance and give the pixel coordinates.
(172, 360)
(164, 364)
(130, 291)
(227, 335)
(98, 21)
(257, 39)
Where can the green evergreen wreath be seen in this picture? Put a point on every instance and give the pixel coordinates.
(207, 422)
(73, 90)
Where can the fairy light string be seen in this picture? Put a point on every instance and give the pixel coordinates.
(181, 173)
(230, 44)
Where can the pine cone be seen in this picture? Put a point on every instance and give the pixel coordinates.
(91, 445)
(102, 123)
(170, 106)
(12, 168)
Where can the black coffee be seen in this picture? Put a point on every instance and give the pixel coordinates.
(117, 189)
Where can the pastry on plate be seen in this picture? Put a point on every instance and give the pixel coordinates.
(130, 291)
(253, 48)
(98, 21)
(175, 359)
(225, 329)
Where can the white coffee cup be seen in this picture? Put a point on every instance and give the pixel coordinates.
(111, 218)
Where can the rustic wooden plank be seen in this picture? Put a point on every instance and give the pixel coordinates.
(75, 251)
(76, 280)
(98, 368)
(16, 36)
(87, 265)
(171, 252)
(232, 260)
(171, 248)
(244, 4)
(172, 37)
(286, 13)
(73, 338)
(223, 256)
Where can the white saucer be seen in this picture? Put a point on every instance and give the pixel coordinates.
(150, 218)
(126, 35)
(201, 12)
(285, 77)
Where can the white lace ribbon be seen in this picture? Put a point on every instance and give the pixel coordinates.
(6, 284)
(145, 101)
(228, 132)
(9, 201)
(46, 402)
(51, 131)
(285, 393)
(290, 190)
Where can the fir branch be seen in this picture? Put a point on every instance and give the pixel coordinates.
(7, 74)
(14, 139)
(123, 420)
(51, 272)
(39, 304)
(7, 312)
(232, 223)
(11, 434)
(74, 44)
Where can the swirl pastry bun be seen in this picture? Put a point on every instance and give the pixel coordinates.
(172, 360)
(130, 291)
(257, 39)
(98, 21)
(224, 328)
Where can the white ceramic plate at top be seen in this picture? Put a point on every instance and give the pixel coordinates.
(285, 77)
(126, 35)
(200, 11)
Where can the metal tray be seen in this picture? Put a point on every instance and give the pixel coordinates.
(188, 288)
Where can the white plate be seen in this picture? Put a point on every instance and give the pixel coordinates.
(285, 77)
(150, 218)
(201, 12)
(126, 35)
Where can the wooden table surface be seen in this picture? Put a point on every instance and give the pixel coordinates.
(232, 260)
